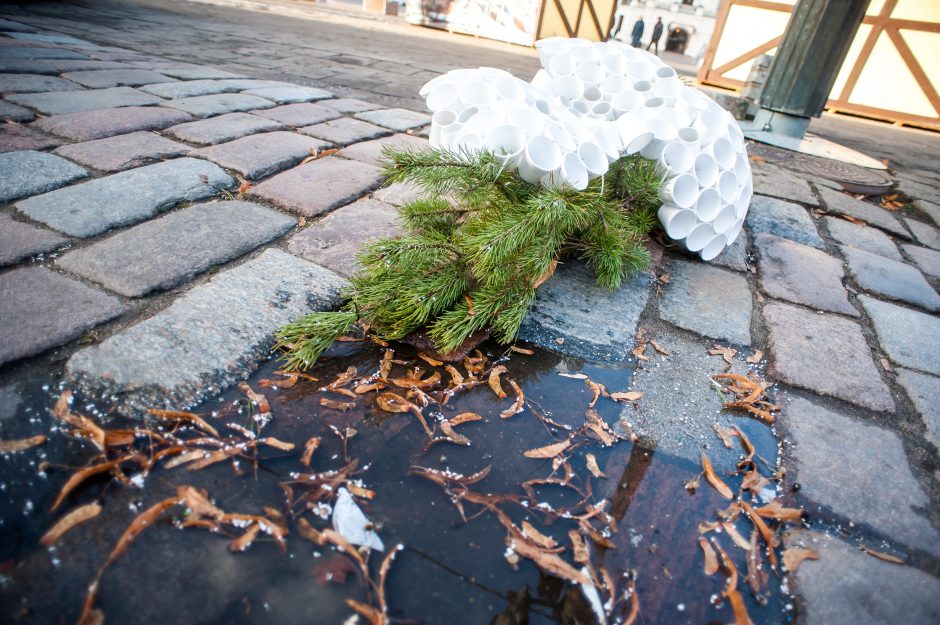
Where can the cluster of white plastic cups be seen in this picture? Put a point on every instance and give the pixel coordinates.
(591, 104)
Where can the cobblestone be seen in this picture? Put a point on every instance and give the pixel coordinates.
(102, 123)
(208, 338)
(15, 137)
(780, 183)
(925, 234)
(222, 128)
(61, 102)
(165, 252)
(20, 240)
(26, 297)
(125, 198)
(371, 151)
(395, 119)
(123, 151)
(319, 186)
(930, 209)
(843, 204)
(397, 193)
(290, 95)
(708, 301)
(303, 114)
(216, 104)
(924, 392)
(890, 278)
(862, 237)
(902, 333)
(15, 112)
(825, 354)
(199, 73)
(595, 324)
(802, 274)
(258, 156)
(26, 66)
(29, 172)
(926, 259)
(350, 105)
(783, 219)
(103, 78)
(734, 256)
(34, 83)
(874, 492)
(25, 52)
(70, 65)
(193, 88)
(344, 131)
(918, 190)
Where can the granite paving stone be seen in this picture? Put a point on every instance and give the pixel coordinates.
(125, 198)
(734, 256)
(780, 183)
(345, 130)
(783, 219)
(290, 95)
(319, 186)
(595, 323)
(843, 204)
(222, 128)
(371, 151)
(15, 137)
(862, 237)
(35, 83)
(61, 102)
(258, 156)
(880, 492)
(29, 172)
(103, 78)
(25, 52)
(73, 65)
(890, 278)
(208, 338)
(825, 354)
(26, 66)
(924, 392)
(20, 240)
(398, 193)
(209, 105)
(848, 587)
(396, 119)
(335, 240)
(198, 73)
(905, 335)
(918, 190)
(708, 301)
(26, 297)
(192, 88)
(929, 208)
(297, 115)
(123, 151)
(10, 26)
(926, 259)
(924, 233)
(802, 274)
(102, 123)
(163, 253)
(350, 105)
(15, 112)
(53, 38)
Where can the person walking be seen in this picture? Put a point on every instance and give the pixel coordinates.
(638, 27)
(657, 33)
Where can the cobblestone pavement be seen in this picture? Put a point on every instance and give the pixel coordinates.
(160, 220)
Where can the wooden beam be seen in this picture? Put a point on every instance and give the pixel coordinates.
(747, 56)
(918, 72)
(721, 20)
(865, 52)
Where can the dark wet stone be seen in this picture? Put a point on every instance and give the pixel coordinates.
(708, 301)
(902, 333)
(29, 172)
(783, 219)
(25, 52)
(14, 112)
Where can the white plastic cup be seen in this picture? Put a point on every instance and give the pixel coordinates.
(714, 247)
(572, 173)
(676, 157)
(634, 136)
(594, 158)
(615, 63)
(507, 88)
(734, 231)
(641, 70)
(450, 134)
(485, 119)
(439, 120)
(612, 85)
(561, 65)
(681, 191)
(608, 137)
(527, 119)
(540, 157)
(708, 204)
(626, 101)
(562, 137)
(581, 106)
(570, 87)
(506, 142)
(705, 169)
(477, 93)
(542, 81)
(689, 137)
(712, 123)
(677, 222)
(492, 74)
(700, 236)
(589, 73)
(742, 203)
(466, 114)
(663, 130)
(592, 94)
(667, 88)
(654, 103)
(470, 141)
(723, 151)
(587, 53)
(742, 168)
(677, 117)
(601, 110)
(665, 72)
(444, 97)
(725, 219)
(728, 186)
(642, 87)
(543, 107)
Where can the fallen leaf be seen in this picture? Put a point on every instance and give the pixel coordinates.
(639, 350)
(81, 475)
(853, 220)
(390, 402)
(738, 608)
(711, 558)
(591, 462)
(244, 541)
(359, 491)
(493, 380)
(693, 484)
(725, 352)
(70, 520)
(521, 350)
(429, 360)
(198, 503)
(579, 548)
(659, 348)
(626, 396)
(775, 510)
(144, 520)
(885, 364)
(664, 278)
(464, 417)
(548, 562)
(277, 444)
(258, 399)
(537, 537)
(309, 447)
(794, 556)
(756, 158)
(516, 408)
(724, 434)
(714, 480)
(732, 531)
(452, 435)
(596, 389)
(455, 377)
(887, 557)
(337, 405)
(184, 417)
(756, 358)
(244, 186)
(13, 446)
(549, 451)
(334, 570)
(368, 612)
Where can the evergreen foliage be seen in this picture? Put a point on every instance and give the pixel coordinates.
(481, 242)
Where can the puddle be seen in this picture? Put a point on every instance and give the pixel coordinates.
(449, 571)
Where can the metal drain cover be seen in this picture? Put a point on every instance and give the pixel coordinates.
(853, 178)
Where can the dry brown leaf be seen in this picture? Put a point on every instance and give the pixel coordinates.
(307, 532)
(309, 447)
(244, 541)
(270, 441)
(545, 275)
(244, 186)
(70, 520)
(578, 547)
(659, 348)
(714, 480)
(83, 425)
(595, 389)
(725, 434)
(725, 352)
(755, 358)
(885, 364)
(591, 462)
(258, 399)
(887, 557)
(364, 388)
(452, 435)
(775, 510)
(342, 406)
(144, 520)
(664, 278)
(770, 537)
(537, 537)
(521, 350)
(626, 395)
(390, 402)
(574, 376)
(732, 531)
(13, 446)
(184, 417)
(549, 451)
(756, 577)
(455, 377)
(731, 592)
(853, 220)
(548, 562)
(639, 350)
(464, 417)
(198, 502)
(359, 491)
(368, 612)
(429, 360)
(711, 558)
(493, 380)
(81, 475)
(516, 407)
(794, 556)
(693, 484)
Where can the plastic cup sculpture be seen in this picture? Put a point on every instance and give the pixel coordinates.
(591, 104)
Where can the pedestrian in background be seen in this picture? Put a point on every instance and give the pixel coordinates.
(638, 27)
(657, 33)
